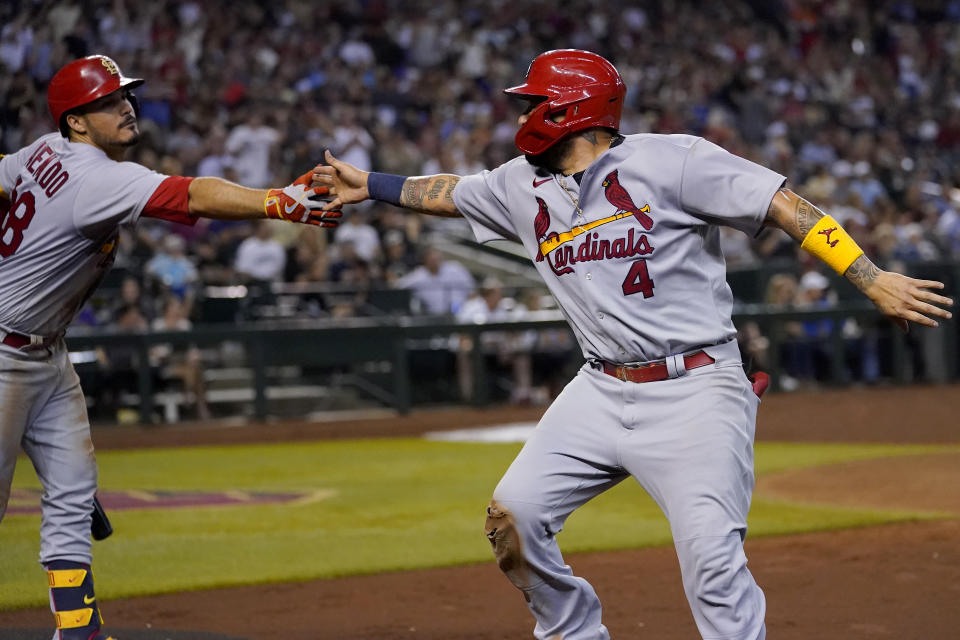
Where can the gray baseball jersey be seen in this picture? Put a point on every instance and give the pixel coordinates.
(59, 238)
(632, 256)
(640, 274)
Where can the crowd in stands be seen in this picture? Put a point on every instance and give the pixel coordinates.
(857, 102)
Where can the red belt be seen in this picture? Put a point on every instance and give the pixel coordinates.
(16, 340)
(653, 371)
(19, 341)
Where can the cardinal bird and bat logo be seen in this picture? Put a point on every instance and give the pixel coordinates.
(594, 248)
(618, 197)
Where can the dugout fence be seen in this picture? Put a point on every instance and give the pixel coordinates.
(847, 344)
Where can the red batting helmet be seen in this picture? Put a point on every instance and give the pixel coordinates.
(582, 84)
(83, 81)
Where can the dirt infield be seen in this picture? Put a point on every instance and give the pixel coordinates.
(897, 581)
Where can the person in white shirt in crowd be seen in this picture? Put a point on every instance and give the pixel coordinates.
(363, 237)
(260, 257)
(439, 286)
(354, 142)
(216, 162)
(250, 145)
(501, 350)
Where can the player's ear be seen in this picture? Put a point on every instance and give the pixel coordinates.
(76, 123)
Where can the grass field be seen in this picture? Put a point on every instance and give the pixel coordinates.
(393, 504)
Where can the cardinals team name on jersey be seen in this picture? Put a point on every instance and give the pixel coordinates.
(593, 248)
(556, 247)
(45, 167)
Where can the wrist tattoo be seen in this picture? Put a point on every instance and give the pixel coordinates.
(862, 272)
(414, 190)
(431, 194)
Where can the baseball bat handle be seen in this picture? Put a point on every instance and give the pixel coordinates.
(100, 526)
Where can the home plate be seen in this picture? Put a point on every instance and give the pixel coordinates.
(514, 432)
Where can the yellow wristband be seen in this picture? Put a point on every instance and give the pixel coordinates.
(829, 242)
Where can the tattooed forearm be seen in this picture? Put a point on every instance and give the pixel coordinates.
(414, 189)
(807, 216)
(430, 194)
(862, 272)
(793, 214)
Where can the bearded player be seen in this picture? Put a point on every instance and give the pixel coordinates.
(624, 231)
(65, 197)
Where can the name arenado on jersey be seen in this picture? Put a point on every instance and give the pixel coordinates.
(592, 248)
(44, 165)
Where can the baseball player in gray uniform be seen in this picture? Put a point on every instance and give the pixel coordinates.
(624, 231)
(64, 198)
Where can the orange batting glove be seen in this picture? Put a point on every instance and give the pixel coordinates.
(299, 202)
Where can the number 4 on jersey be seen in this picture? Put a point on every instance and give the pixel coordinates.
(638, 279)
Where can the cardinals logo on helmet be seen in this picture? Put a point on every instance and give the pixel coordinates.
(110, 66)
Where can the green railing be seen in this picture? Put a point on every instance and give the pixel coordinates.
(351, 341)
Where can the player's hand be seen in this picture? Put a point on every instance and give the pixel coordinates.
(347, 184)
(904, 299)
(301, 202)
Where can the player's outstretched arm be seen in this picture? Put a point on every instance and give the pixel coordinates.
(901, 298)
(426, 194)
(297, 202)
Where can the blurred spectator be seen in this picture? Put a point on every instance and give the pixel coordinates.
(501, 351)
(364, 238)
(301, 256)
(215, 161)
(552, 348)
(815, 293)
(172, 270)
(439, 286)
(354, 296)
(260, 257)
(250, 145)
(131, 310)
(185, 366)
(948, 228)
(736, 248)
(312, 300)
(351, 141)
(912, 244)
(344, 258)
(780, 295)
(399, 258)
